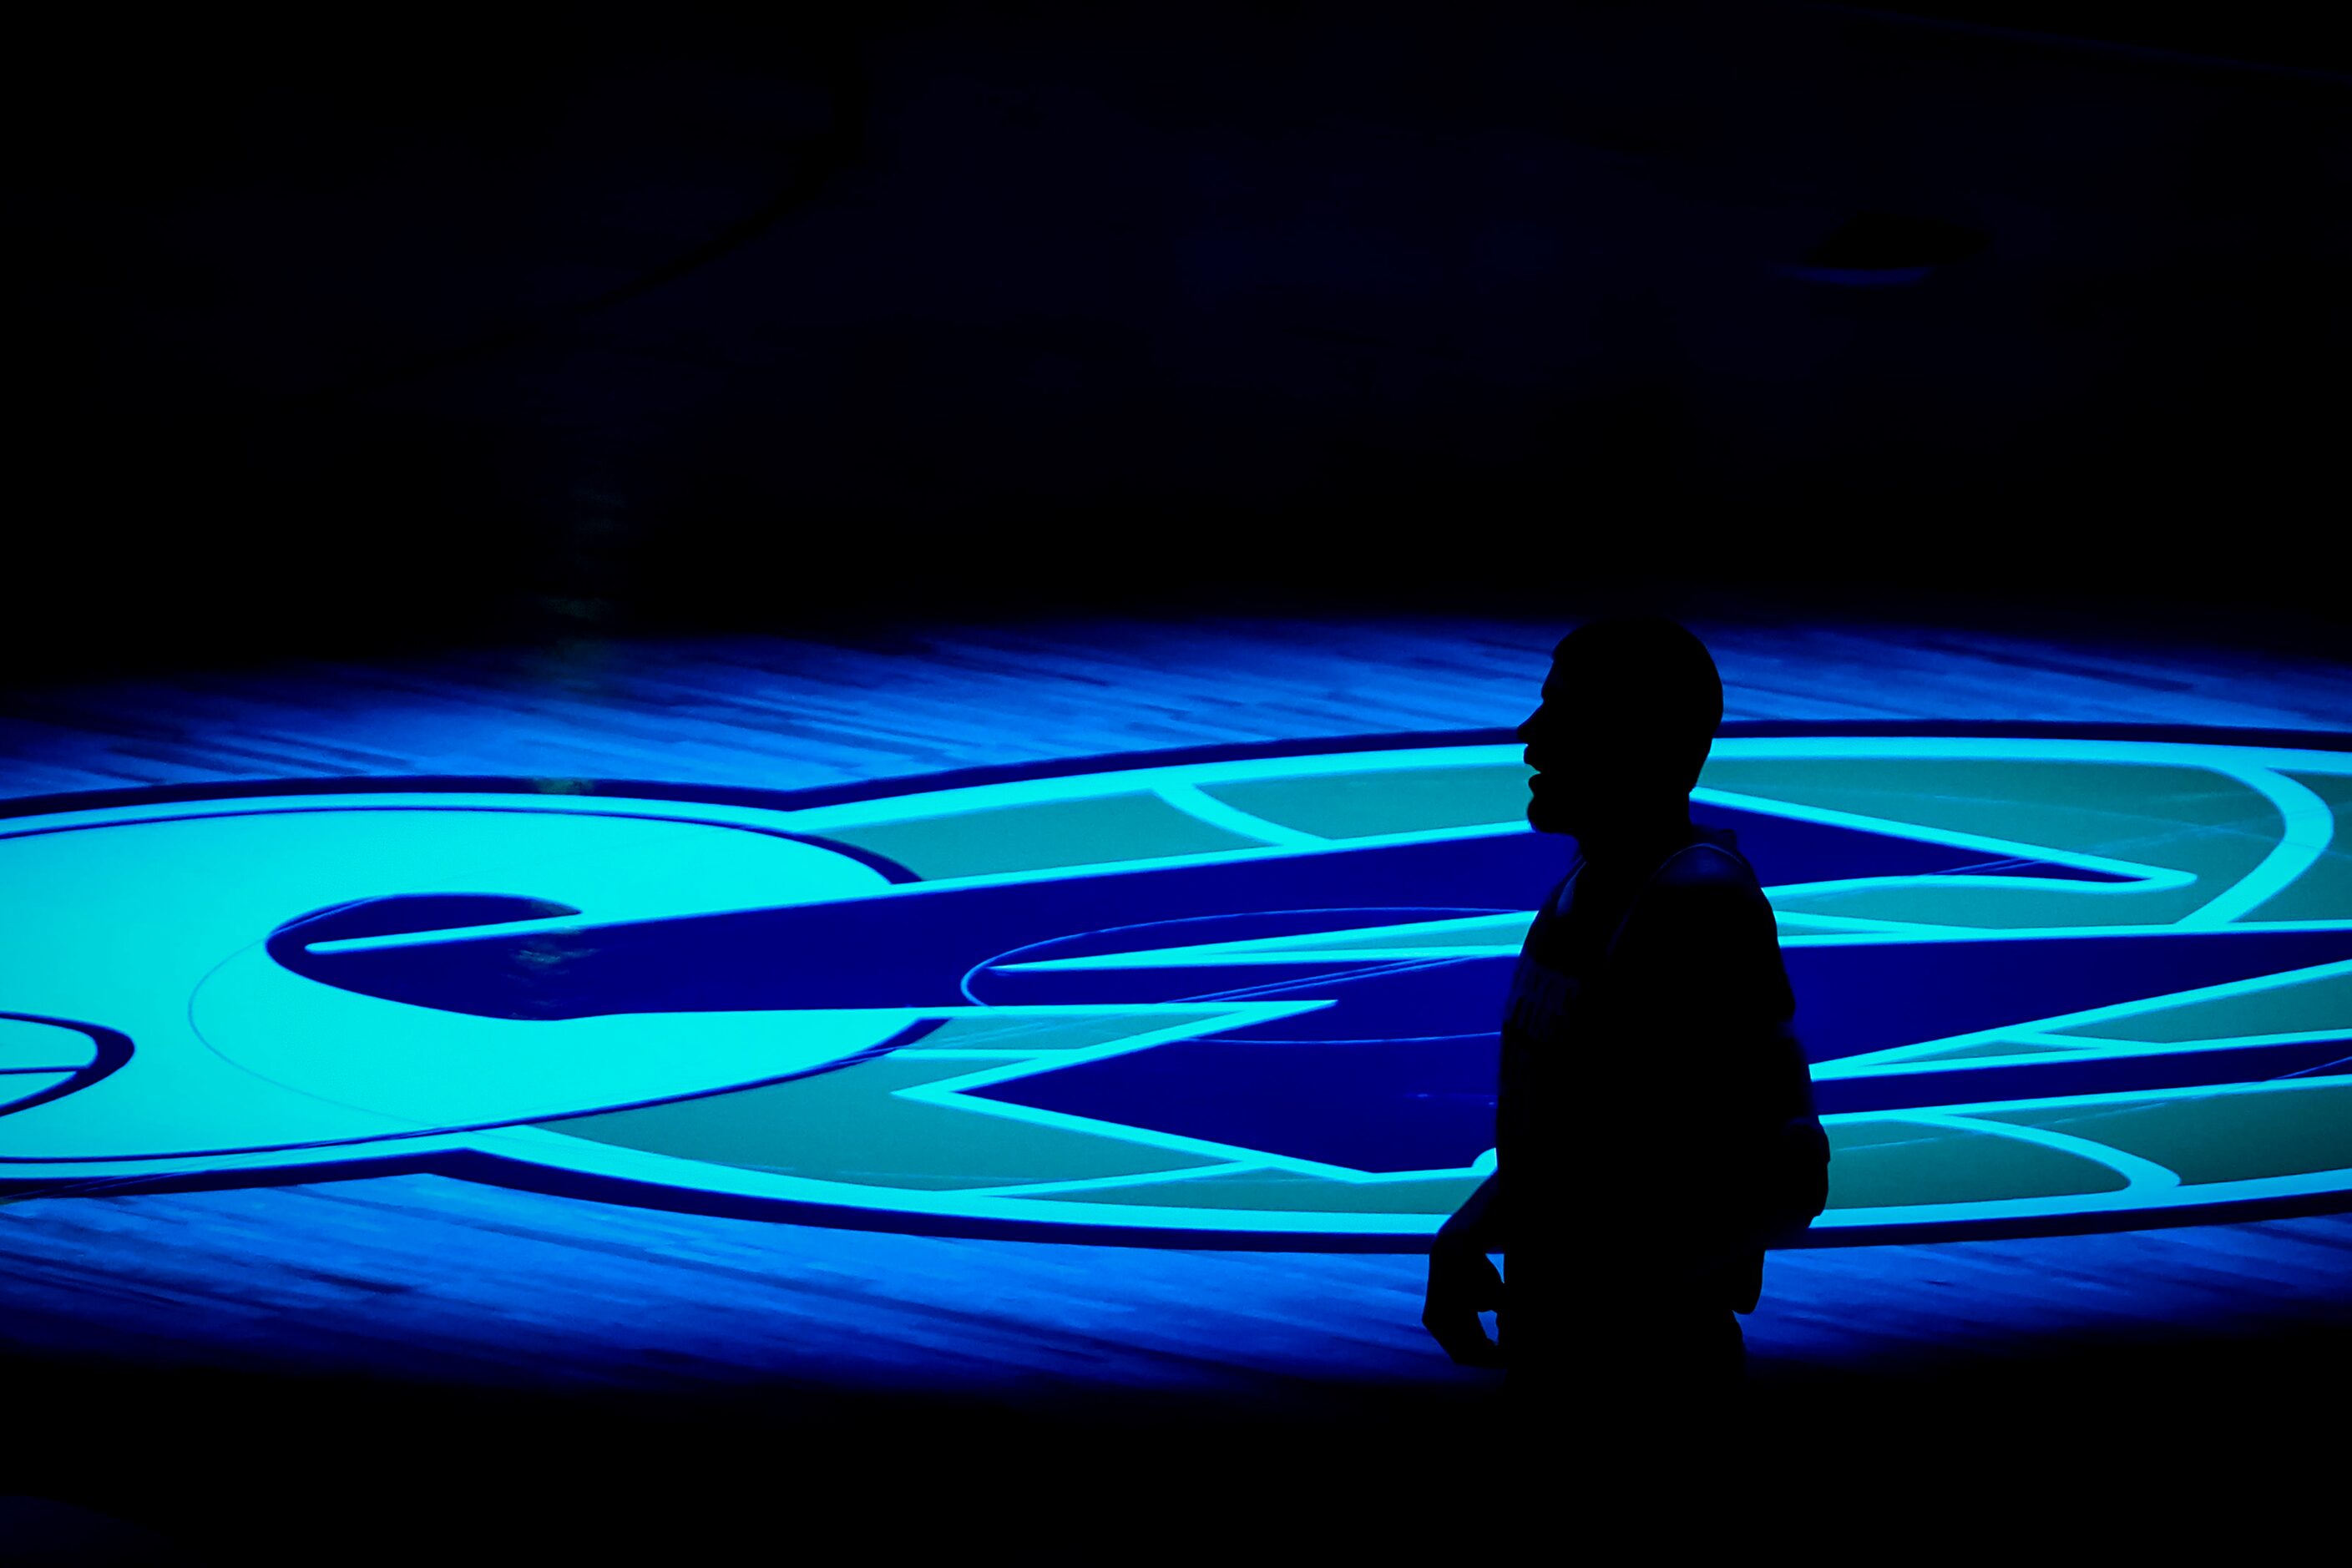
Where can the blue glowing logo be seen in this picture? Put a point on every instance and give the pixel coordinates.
(1240, 999)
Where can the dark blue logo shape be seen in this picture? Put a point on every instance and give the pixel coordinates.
(1397, 1071)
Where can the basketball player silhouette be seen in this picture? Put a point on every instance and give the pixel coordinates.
(1654, 1126)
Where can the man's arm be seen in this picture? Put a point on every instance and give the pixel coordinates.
(1714, 1234)
(1477, 1225)
(1462, 1281)
(1707, 1013)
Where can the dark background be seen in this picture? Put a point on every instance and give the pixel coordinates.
(370, 328)
(379, 327)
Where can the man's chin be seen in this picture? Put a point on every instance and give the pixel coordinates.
(1544, 818)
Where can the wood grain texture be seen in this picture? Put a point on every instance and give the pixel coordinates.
(426, 1278)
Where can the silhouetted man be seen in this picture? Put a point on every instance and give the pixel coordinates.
(1654, 1126)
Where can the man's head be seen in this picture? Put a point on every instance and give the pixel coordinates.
(1628, 712)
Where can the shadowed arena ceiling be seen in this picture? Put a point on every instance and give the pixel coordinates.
(621, 321)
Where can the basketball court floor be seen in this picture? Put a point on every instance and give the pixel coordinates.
(821, 1075)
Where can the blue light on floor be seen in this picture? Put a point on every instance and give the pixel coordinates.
(1240, 999)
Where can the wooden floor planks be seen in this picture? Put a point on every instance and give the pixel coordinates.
(434, 1277)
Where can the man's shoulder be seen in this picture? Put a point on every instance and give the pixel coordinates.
(1702, 895)
(1708, 872)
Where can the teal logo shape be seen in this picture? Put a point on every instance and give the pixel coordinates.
(1239, 998)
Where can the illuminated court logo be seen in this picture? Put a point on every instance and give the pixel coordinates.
(1235, 998)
